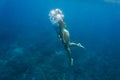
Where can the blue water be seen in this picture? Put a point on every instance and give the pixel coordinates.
(31, 50)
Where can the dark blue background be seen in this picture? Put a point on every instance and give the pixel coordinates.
(29, 45)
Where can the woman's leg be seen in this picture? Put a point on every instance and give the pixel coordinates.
(76, 44)
(69, 55)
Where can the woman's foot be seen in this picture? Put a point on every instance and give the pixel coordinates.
(79, 45)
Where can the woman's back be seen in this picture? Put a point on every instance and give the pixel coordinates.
(66, 36)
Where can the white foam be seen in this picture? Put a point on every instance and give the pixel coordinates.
(55, 16)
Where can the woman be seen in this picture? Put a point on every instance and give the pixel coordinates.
(56, 17)
(65, 37)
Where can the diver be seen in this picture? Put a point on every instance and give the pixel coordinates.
(56, 17)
